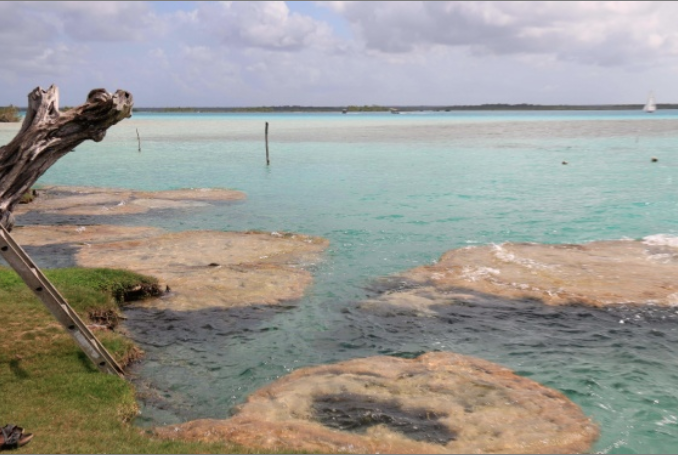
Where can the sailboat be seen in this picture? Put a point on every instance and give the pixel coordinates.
(650, 106)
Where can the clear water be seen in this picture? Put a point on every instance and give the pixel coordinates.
(392, 192)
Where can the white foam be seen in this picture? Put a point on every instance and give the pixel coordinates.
(476, 273)
(661, 239)
(668, 420)
(506, 256)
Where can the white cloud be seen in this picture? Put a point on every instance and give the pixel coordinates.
(50, 38)
(266, 25)
(28, 46)
(264, 53)
(598, 33)
(105, 20)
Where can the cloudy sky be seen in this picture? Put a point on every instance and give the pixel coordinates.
(342, 53)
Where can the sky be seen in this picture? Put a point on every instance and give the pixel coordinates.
(335, 53)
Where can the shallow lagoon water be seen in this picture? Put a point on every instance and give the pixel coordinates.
(392, 192)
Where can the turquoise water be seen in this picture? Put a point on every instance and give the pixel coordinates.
(392, 192)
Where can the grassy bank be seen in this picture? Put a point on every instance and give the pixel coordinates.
(49, 387)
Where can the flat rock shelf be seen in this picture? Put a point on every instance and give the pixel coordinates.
(439, 402)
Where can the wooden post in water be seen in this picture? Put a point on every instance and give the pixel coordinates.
(268, 161)
(139, 140)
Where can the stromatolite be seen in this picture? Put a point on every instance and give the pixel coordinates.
(216, 269)
(204, 269)
(437, 403)
(621, 272)
(78, 200)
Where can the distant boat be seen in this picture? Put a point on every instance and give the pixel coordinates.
(394, 111)
(650, 106)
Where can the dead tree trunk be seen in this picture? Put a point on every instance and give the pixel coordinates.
(47, 134)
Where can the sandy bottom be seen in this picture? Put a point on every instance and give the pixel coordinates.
(624, 272)
(437, 403)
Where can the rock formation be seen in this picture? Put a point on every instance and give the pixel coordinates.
(437, 403)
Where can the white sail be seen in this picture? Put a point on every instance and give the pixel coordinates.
(650, 106)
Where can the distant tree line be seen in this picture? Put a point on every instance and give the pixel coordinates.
(378, 108)
(366, 108)
(9, 114)
(13, 114)
(372, 108)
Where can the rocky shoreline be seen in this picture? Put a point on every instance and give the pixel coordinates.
(202, 268)
(437, 403)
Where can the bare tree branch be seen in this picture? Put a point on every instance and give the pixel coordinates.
(48, 134)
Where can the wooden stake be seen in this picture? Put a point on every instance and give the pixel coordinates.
(268, 161)
(139, 140)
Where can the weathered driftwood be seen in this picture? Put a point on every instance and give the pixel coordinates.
(47, 134)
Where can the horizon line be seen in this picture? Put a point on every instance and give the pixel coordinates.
(404, 107)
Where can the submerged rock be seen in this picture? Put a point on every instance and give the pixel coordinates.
(437, 403)
(208, 269)
(204, 269)
(67, 200)
(193, 194)
(80, 235)
(599, 274)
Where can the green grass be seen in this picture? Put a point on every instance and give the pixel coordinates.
(49, 387)
(28, 196)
